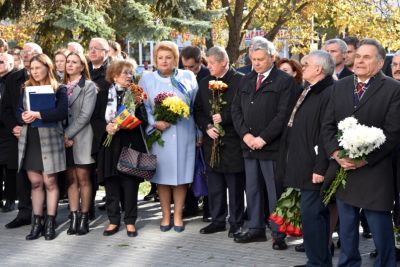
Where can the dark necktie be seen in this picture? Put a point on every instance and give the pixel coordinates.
(259, 81)
(360, 89)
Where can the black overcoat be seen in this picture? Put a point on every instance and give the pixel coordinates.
(372, 186)
(107, 157)
(231, 159)
(10, 101)
(263, 113)
(305, 152)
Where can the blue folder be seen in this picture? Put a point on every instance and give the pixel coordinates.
(40, 102)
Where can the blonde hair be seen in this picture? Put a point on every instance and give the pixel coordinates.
(167, 46)
(51, 77)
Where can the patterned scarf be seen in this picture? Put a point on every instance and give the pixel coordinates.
(180, 86)
(70, 88)
(112, 102)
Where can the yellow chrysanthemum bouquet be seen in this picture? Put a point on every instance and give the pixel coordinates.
(170, 108)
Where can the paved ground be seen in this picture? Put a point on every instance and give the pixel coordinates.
(150, 248)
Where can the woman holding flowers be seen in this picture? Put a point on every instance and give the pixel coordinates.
(175, 157)
(122, 92)
(78, 139)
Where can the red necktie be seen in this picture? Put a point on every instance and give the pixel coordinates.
(360, 87)
(259, 81)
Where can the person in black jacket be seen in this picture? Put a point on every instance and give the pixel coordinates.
(337, 48)
(120, 73)
(7, 175)
(306, 160)
(229, 172)
(374, 100)
(259, 112)
(10, 102)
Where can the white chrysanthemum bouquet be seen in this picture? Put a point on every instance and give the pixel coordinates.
(357, 141)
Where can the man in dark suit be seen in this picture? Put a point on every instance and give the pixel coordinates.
(99, 60)
(306, 160)
(374, 100)
(248, 67)
(259, 112)
(337, 48)
(228, 173)
(10, 101)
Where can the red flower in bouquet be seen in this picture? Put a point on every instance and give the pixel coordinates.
(287, 213)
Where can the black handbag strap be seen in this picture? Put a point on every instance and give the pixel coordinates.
(144, 139)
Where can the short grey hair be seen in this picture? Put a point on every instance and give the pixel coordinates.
(342, 44)
(263, 44)
(396, 54)
(10, 60)
(369, 41)
(324, 60)
(35, 47)
(255, 39)
(219, 53)
(77, 46)
(102, 41)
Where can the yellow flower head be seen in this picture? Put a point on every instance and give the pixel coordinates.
(176, 105)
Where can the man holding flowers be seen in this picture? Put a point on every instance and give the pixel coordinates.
(374, 100)
(223, 155)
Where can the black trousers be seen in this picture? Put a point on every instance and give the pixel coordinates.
(8, 177)
(24, 196)
(130, 187)
(218, 183)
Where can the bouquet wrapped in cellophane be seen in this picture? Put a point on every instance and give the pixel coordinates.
(218, 88)
(125, 117)
(170, 108)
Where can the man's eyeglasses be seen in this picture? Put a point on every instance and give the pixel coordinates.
(28, 53)
(96, 49)
(395, 65)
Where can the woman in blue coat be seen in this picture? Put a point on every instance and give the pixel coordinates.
(175, 159)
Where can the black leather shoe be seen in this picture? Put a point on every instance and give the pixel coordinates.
(37, 228)
(73, 224)
(165, 228)
(83, 227)
(17, 222)
(50, 228)
(150, 196)
(111, 232)
(8, 206)
(131, 233)
(250, 237)
(212, 228)
(102, 207)
(179, 229)
(279, 244)
(300, 248)
(234, 231)
(373, 253)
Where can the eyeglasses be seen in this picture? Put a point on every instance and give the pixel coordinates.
(395, 65)
(96, 49)
(28, 53)
(128, 73)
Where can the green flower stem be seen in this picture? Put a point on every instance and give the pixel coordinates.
(340, 179)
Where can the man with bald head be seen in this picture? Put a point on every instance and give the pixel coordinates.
(12, 92)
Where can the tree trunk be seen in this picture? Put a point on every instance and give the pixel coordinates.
(209, 37)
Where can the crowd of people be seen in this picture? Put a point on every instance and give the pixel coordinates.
(275, 128)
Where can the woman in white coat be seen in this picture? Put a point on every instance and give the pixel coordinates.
(175, 160)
